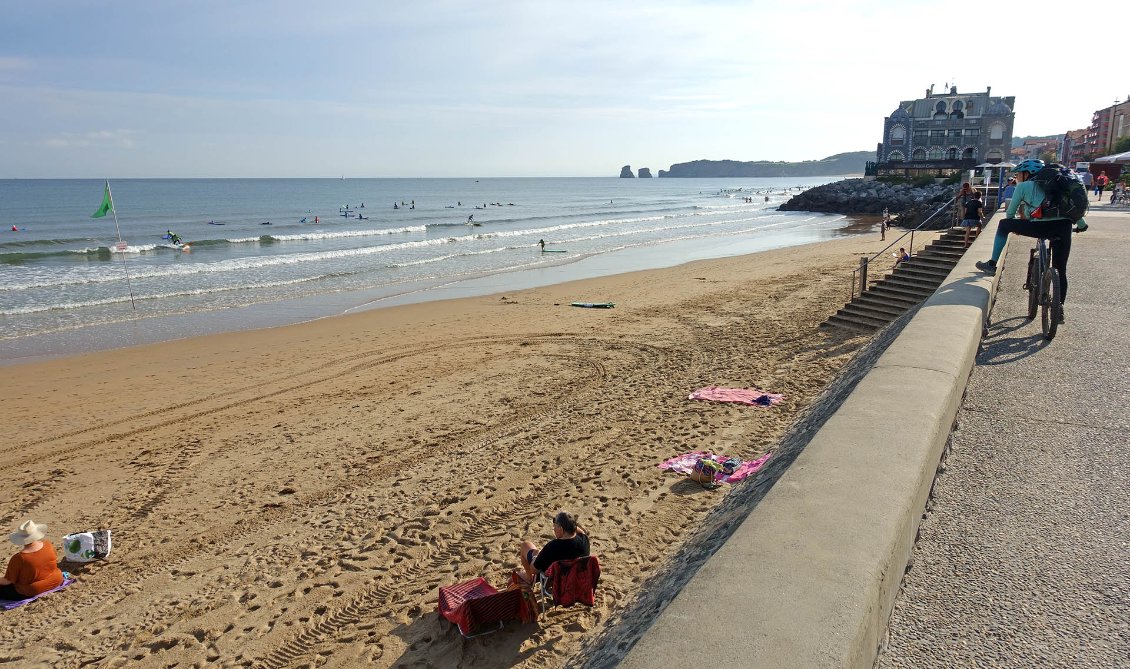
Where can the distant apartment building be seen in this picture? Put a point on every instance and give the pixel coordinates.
(944, 133)
(1073, 146)
(1037, 148)
(1107, 127)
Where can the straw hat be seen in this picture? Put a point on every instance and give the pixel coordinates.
(29, 533)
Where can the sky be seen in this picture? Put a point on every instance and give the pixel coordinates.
(437, 88)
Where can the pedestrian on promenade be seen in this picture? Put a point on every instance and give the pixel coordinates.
(1006, 196)
(1100, 184)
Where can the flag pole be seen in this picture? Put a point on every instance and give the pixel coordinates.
(121, 246)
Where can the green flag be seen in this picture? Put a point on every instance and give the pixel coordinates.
(107, 203)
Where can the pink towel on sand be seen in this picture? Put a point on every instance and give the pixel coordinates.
(749, 396)
(684, 464)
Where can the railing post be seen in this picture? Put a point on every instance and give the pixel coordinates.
(911, 251)
(862, 276)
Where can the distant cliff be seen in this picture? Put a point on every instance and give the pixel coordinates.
(626, 172)
(841, 163)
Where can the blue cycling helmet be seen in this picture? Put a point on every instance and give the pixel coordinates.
(1031, 166)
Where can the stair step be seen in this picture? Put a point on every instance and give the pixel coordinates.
(894, 297)
(854, 323)
(876, 303)
(902, 286)
(945, 251)
(921, 273)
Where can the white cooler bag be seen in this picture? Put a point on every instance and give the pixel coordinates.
(87, 546)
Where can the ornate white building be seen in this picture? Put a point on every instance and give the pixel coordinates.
(944, 133)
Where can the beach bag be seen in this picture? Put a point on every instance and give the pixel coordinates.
(1064, 195)
(705, 472)
(87, 546)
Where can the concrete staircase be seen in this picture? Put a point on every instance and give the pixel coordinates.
(909, 284)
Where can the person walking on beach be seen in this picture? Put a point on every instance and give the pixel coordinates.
(570, 541)
(541, 243)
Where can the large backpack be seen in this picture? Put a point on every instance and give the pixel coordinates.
(1064, 195)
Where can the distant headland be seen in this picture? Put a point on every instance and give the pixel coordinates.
(839, 164)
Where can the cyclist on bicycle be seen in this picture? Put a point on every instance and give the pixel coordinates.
(1025, 200)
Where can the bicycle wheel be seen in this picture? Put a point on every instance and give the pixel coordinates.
(1049, 316)
(1033, 286)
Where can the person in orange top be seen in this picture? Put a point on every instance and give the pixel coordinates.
(34, 570)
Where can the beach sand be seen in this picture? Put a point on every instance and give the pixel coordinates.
(295, 496)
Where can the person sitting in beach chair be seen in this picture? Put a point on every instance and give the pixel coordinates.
(34, 570)
(569, 582)
(570, 541)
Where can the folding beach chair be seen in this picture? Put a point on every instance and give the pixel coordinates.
(569, 582)
(475, 606)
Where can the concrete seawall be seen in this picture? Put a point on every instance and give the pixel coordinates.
(809, 578)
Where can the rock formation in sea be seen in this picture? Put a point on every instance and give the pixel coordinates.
(645, 172)
(908, 204)
(626, 172)
(841, 163)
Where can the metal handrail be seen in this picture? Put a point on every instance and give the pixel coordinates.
(863, 263)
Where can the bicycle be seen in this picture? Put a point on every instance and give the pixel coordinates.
(1042, 285)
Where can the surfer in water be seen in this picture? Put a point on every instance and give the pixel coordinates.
(173, 237)
(541, 243)
(471, 219)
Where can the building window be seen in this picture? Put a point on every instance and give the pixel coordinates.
(898, 135)
(954, 133)
(935, 154)
(968, 154)
(972, 132)
(895, 157)
(993, 156)
(951, 153)
(919, 154)
(996, 132)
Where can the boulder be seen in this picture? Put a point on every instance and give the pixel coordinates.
(626, 172)
(645, 172)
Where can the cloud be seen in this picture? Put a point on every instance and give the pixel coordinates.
(124, 139)
(8, 63)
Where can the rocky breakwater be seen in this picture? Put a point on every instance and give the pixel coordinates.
(907, 203)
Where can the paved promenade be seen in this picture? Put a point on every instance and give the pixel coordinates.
(1024, 556)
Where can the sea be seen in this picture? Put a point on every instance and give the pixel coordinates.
(268, 252)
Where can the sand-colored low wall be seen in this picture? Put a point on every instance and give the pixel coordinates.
(809, 578)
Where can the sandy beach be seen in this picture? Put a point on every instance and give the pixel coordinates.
(295, 496)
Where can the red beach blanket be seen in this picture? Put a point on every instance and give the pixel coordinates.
(684, 464)
(747, 396)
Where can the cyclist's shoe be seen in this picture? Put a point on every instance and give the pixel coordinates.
(1060, 319)
(987, 266)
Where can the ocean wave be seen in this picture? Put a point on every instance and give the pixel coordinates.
(119, 299)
